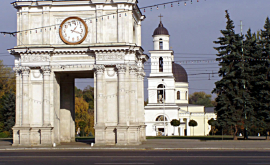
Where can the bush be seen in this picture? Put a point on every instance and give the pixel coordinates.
(4, 134)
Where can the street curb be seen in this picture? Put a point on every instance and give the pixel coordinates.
(16, 149)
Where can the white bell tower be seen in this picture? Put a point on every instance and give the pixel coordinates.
(161, 79)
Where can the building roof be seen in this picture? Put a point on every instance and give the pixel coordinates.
(209, 109)
(161, 30)
(179, 73)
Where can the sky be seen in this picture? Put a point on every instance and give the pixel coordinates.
(192, 29)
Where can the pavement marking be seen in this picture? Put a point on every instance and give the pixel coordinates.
(259, 163)
(124, 163)
(135, 156)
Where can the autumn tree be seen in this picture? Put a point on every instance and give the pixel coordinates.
(82, 114)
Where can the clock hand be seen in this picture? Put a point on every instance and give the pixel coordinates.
(76, 32)
(74, 29)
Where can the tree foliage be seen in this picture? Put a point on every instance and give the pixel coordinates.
(82, 115)
(230, 89)
(175, 122)
(88, 95)
(192, 123)
(213, 124)
(7, 99)
(201, 98)
(243, 92)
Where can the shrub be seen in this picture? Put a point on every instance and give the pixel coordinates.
(4, 134)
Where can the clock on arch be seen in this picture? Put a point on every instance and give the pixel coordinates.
(73, 30)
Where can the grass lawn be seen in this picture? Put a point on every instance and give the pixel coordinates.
(217, 137)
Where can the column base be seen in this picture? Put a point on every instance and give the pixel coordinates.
(32, 136)
(110, 138)
(121, 135)
(21, 136)
(100, 135)
(143, 133)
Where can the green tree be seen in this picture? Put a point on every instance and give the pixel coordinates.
(262, 79)
(251, 52)
(213, 124)
(201, 98)
(82, 125)
(192, 123)
(7, 91)
(9, 111)
(230, 89)
(88, 95)
(78, 92)
(175, 123)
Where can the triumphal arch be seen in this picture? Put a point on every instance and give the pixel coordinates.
(58, 41)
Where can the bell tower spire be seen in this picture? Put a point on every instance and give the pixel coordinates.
(161, 37)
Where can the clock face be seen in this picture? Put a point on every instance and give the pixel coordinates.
(73, 30)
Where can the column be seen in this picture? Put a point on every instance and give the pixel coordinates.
(134, 116)
(46, 95)
(141, 75)
(16, 131)
(99, 76)
(18, 97)
(25, 97)
(121, 94)
(188, 127)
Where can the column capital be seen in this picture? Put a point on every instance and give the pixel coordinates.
(17, 70)
(46, 70)
(121, 68)
(141, 75)
(25, 70)
(133, 69)
(99, 68)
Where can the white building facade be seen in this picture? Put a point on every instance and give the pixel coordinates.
(59, 41)
(168, 91)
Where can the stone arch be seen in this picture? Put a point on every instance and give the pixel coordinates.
(161, 118)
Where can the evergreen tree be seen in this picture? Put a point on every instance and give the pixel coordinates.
(8, 111)
(262, 79)
(230, 89)
(251, 51)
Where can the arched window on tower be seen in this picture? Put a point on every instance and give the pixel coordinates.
(161, 93)
(160, 64)
(160, 44)
(186, 95)
(178, 95)
(161, 118)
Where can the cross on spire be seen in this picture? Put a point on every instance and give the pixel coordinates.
(160, 17)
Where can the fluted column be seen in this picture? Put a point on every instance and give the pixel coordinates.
(133, 95)
(25, 97)
(141, 96)
(46, 95)
(18, 97)
(121, 94)
(99, 70)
